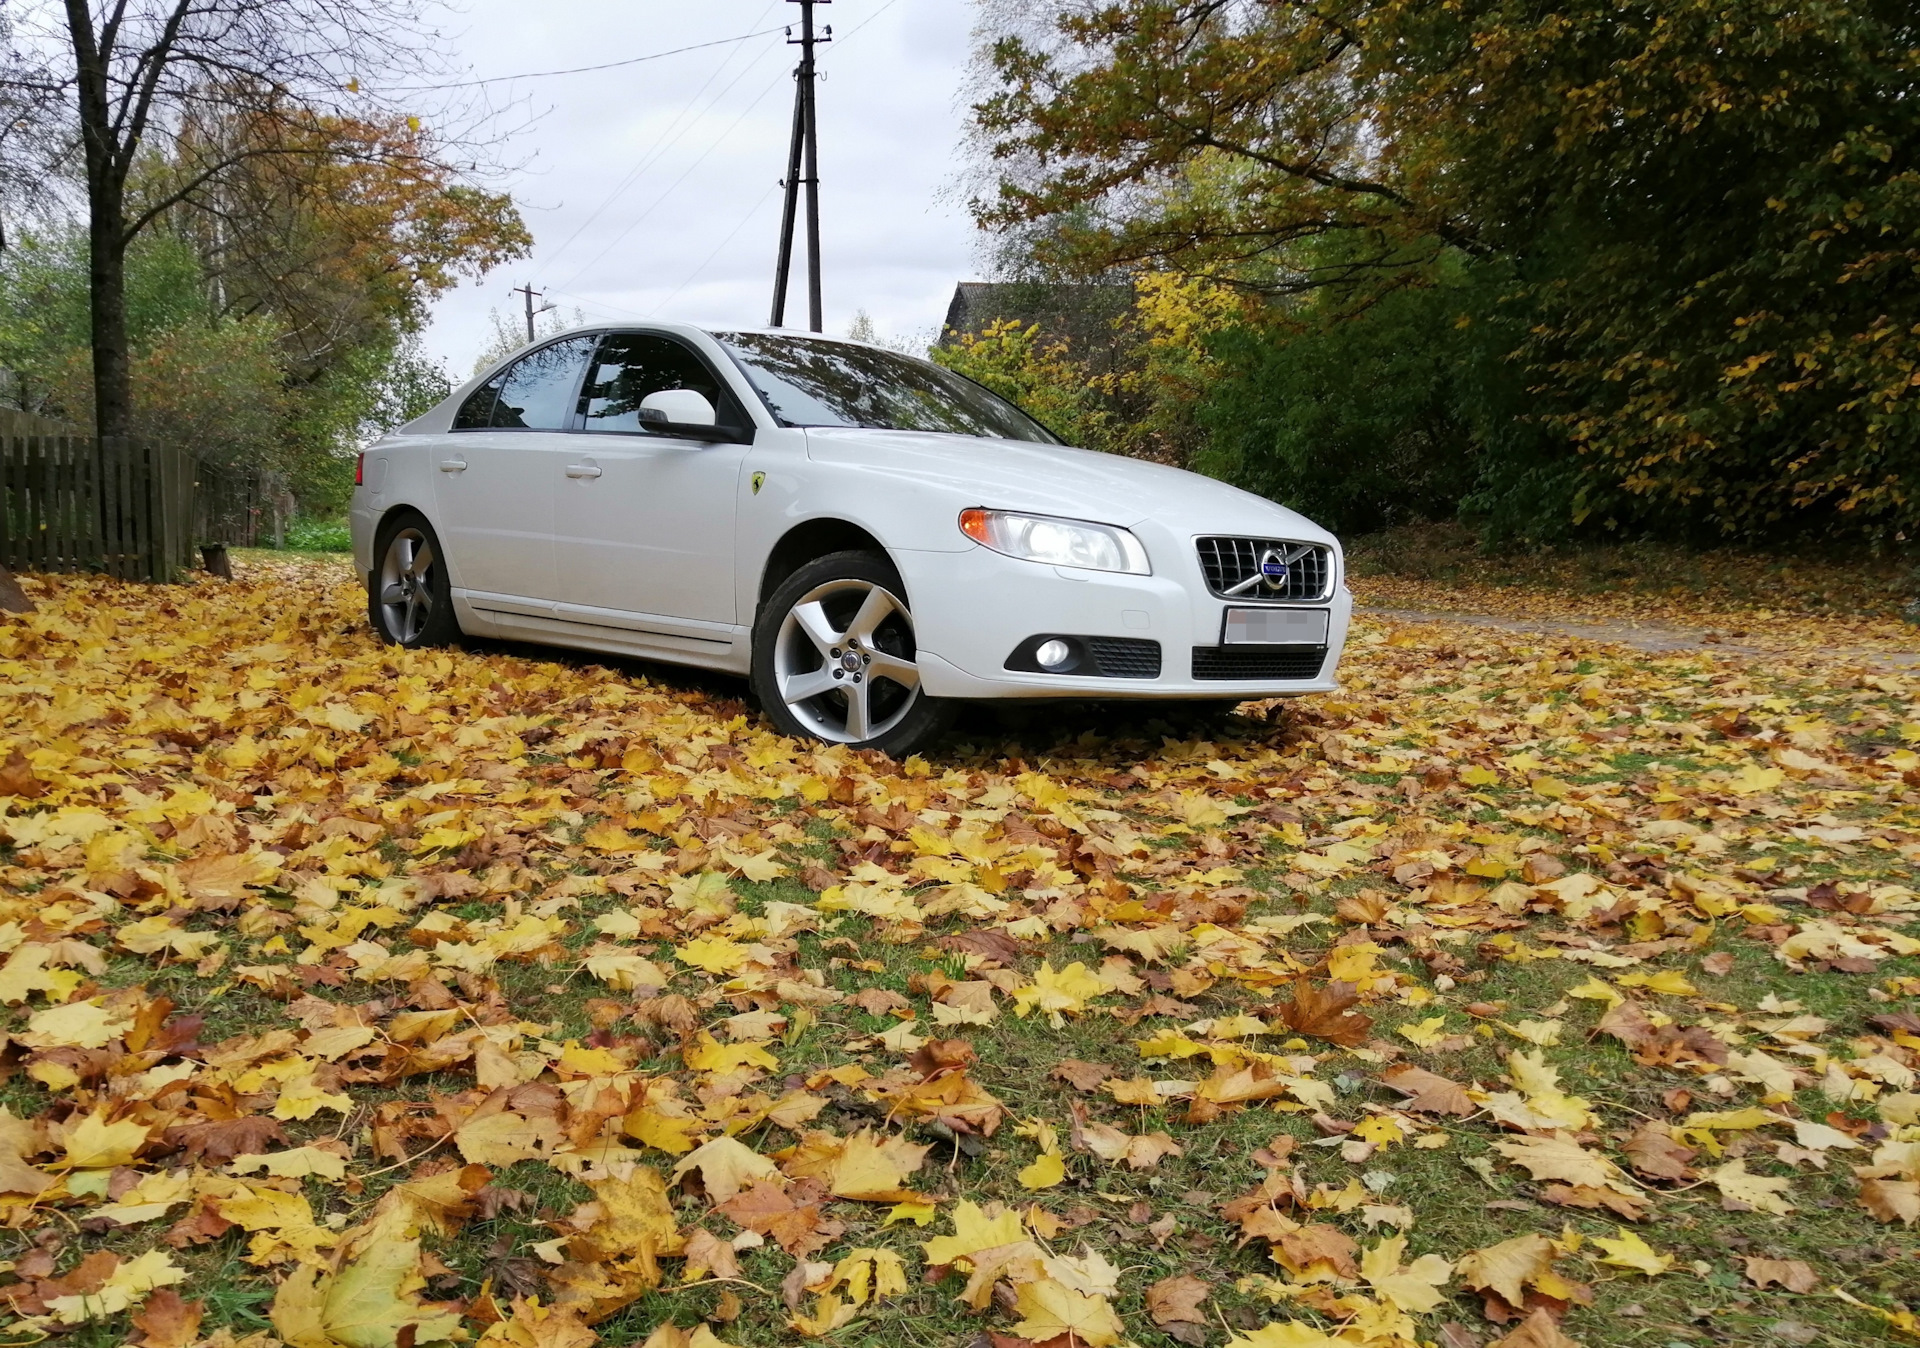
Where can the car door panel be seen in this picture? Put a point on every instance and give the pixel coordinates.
(495, 480)
(644, 523)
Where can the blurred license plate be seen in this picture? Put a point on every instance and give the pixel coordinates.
(1276, 627)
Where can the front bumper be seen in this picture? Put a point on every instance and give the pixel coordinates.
(972, 609)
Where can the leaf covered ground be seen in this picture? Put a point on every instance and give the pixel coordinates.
(1803, 597)
(1526, 992)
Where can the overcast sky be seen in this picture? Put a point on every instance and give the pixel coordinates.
(651, 190)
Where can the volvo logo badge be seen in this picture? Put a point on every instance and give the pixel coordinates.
(1273, 569)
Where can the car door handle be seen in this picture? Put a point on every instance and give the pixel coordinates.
(453, 465)
(582, 470)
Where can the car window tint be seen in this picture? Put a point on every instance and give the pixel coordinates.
(477, 411)
(537, 393)
(807, 381)
(629, 366)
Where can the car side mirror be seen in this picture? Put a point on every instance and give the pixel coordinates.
(675, 407)
(687, 414)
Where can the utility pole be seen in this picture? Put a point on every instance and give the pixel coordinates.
(531, 295)
(802, 150)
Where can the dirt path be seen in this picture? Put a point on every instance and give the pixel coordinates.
(1648, 637)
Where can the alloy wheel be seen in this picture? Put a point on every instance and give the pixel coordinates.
(406, 585)
(844, 661)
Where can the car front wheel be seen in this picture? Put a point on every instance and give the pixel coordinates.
(834, 657)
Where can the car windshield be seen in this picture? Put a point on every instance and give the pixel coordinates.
(806, 381)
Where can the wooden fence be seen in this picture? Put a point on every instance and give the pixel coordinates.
(125, 507)
(232, 506)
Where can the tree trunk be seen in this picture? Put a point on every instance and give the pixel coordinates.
(107, 275)
(106, 226)
(13, 599)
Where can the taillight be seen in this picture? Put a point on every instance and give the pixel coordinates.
(359, 469)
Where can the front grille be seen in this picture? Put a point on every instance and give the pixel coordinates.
(1232, 566)
(1258, 662)
(1124, 657)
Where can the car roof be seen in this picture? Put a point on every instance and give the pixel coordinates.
(710, 330)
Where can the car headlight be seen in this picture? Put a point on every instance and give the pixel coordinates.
(1057, 542)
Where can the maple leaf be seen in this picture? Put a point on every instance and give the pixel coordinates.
(369, 1299)
(1323, 1013)
(863, 1167)
(501, 1137)
(726, 1166)
(1891, 1200)
(880, 1001)
(94, 1144)
(327, 1162)
(17, 777)
(128, 1283)
(670, 1335)
(795, 1222)
(1654, 1153)
(1427, 1092)
(1539, 1330)
(1053, 992)
(1629, 1251)
(1562, 1158)
(1414, 1287)
(1049, 1310)
(716, 955)
(974, 1229)
(218, 1141)
(1177, 1300)
(1047, 1170)
(1141, 1152)
(1426, 1033)
(531, 1325)
(1754, 1191)
(1286, 1334)
(869, 1274)
(1791, 1274)
(89, 1023)
(167, 1320)
(830, 1313)
(1506, 1268)
(707, 1254)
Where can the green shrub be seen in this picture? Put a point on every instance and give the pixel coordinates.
(316, 535)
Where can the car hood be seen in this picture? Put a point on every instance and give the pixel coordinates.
(1059, 480)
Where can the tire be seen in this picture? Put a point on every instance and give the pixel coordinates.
(409, 598)
(834, 658)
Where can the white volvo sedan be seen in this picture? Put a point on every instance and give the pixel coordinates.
(868, 537)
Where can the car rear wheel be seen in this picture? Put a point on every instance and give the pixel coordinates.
(834, 657)
(409, 599)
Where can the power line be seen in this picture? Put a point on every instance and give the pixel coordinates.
(654, 158)
(668, 138)
(843, 38)
(659, 200)
(580, 301)
(576, 70)
(694, 275)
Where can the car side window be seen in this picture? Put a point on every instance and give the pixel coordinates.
(537, 391)
(476, 413)
(629, 366)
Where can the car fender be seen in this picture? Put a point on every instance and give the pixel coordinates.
(898, 511)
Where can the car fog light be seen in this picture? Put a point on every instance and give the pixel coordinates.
(1053, 653)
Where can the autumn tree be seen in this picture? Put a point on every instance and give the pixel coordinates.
(297, 76)
(1692, 222)
(1213, 136)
